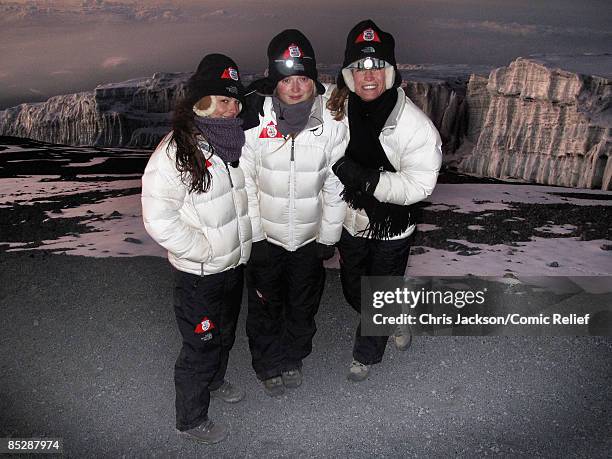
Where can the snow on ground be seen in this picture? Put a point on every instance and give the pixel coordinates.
(23, 190)
(486, 196)
(118, 229)
(573, 257)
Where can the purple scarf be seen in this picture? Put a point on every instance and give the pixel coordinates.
(224, 135)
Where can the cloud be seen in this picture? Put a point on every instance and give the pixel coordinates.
(114, 62)
(88, 11)
(215, 14)
(517, 29)
(61, 72)
(35, 91)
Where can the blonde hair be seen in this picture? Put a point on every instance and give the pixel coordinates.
(337, 103)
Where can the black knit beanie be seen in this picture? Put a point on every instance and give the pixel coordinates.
(290, 53)
(217, 75)
(366, 39)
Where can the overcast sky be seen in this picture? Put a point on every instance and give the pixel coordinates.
(57, 47)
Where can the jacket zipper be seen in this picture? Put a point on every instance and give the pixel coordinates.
(291, 192)
(229, 174)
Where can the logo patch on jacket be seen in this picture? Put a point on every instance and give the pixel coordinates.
(270, 132)
(367, 35)
(230, 72)
(208, 164)
(292, 50)
(204, 326)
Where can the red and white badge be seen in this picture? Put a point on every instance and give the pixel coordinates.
(204, 326)
(230, 72)
(208, 164)
(292, 50)
(367, 35)
(270, 132)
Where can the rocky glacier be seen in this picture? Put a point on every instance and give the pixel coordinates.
(133, 113)
(536, 122)
(542, 119)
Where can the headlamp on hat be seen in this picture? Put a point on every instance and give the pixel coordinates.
(369, 63)
(290, 66)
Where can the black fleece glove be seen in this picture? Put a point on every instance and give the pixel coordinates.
(254, 102)
(325, 252)
(259, 253)
(353, 175)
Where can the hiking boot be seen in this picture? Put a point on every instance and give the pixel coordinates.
(274, 386)
(402, 338)
(292, 378)
(208, 433)
(228, 393)
(358, 371)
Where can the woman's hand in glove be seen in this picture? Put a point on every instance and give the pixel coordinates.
(325, 252)
(351, 174)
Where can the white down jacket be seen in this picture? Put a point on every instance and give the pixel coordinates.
(204, 233)
(413, 146)
(294, 197)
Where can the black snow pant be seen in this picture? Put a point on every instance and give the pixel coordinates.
(359, 257)
(207, 309)
(284, 295)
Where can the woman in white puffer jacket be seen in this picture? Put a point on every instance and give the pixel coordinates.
(295, 209)
(194, 204)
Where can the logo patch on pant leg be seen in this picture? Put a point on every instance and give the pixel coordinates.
(204, 326)
(260, 295)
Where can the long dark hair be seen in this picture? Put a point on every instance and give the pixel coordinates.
(190, 160)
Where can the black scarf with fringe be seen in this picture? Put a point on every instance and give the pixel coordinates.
(366, 120)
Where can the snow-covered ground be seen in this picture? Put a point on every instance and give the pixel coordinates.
(117, 229)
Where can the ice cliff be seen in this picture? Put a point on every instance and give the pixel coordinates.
(536, 122)
(542, 119)
(132, 113)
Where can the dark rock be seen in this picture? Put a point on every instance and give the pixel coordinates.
(553, 264)
(418, 251)
(115, 214)
(133, 240)
(606, 247)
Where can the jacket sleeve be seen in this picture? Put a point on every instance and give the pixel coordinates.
(420, 162)
(248, 163)
(334, 207)
(163, 194)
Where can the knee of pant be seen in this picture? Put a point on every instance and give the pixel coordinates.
(261, 327)
(196, 360)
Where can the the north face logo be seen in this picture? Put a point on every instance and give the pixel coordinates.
(230, 72)
(270, 132)
(367, 35)
(204, 326)
(292, 51)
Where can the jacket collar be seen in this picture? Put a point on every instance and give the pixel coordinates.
(316, 113)
(395, 114)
